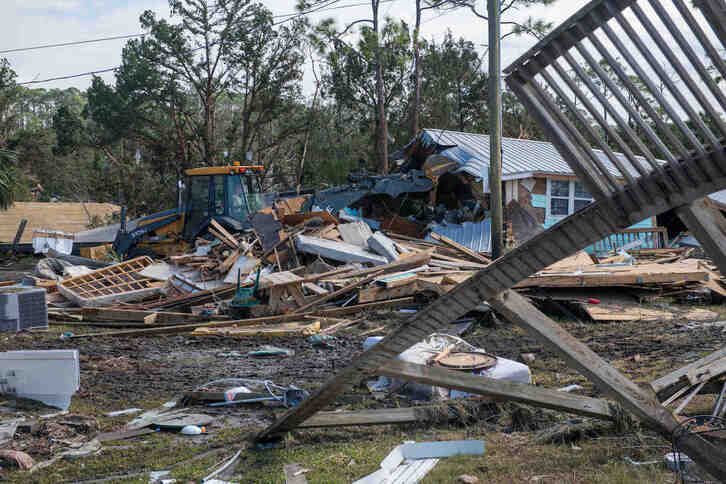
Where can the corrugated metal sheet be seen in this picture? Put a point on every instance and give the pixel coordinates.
(520, 156)
(476, 236)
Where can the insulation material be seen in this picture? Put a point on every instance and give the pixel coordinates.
(421, 353)
(44, 240)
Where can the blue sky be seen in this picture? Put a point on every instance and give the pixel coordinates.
(27, 23)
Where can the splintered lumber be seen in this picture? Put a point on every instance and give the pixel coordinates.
(593, 276)
(339, 251)
(376, 293)
(669, 384)
(633, 398)
(290, 329)
(185, 328)
(461, 248)
(334, 294)
(225, 237)
(113, 284)
(498, 389)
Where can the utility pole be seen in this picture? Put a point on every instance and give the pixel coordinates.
(495, 130)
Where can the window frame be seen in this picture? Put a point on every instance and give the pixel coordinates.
(570, 198)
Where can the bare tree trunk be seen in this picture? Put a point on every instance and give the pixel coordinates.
(301, 166)
(382, 125)
(416, 105)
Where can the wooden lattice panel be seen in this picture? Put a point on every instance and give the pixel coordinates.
(116, 283)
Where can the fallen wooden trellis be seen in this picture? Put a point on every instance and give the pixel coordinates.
(117, 283)
(692, 169)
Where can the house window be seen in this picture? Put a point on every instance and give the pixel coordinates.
(565, 197)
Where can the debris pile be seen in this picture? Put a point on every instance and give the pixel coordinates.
(297, 272)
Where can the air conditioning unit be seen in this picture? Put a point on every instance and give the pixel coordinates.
(49, 376)
(22, 308)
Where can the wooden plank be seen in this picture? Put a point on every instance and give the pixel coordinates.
(314, 288)
(669, 384)
(461, 248)
(19, 234)
(279, 279)
(685, 271)
(247, 322)
(385, 416)
(376, 293)
(162, 317)
(294, 474)
(334, 294)
(637, 400)
(614, 312)
(227, 238)
(498, 389)
(283, 330)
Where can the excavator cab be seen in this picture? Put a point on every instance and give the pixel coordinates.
(227, 194)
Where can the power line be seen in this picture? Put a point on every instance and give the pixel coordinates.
(70, 77)
(291, 16)
(48, 46)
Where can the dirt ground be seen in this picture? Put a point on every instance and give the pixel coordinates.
(145, 372)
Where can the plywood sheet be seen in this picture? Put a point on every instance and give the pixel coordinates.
(63, 217)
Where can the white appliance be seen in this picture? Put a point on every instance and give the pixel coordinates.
(49, 376)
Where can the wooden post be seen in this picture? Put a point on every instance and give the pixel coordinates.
(639, 401)
(19, 234)
(495, 129)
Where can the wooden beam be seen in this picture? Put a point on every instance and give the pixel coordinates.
(334, 294)
(184, 328)
(708, 226)
(461, 248)
(669, 384)
(162, 317)
(642, 403)
(385, 416)
(498, 389)
(19, 234)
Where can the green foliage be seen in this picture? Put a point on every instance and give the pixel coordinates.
(454, 86)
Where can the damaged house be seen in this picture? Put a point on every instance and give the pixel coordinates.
(539, 187)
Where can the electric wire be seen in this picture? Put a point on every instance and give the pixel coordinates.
(290, 16)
